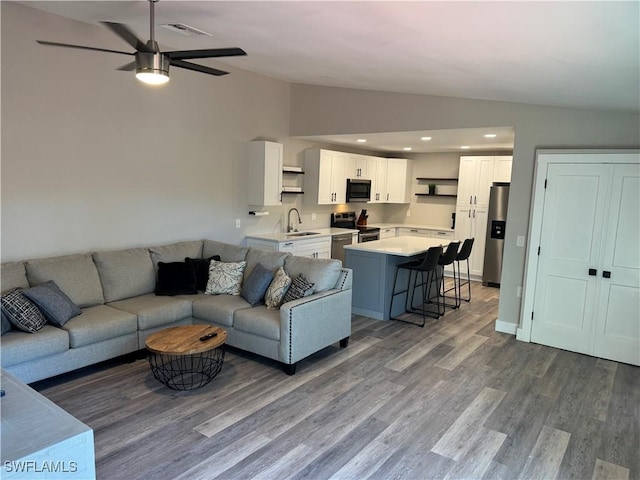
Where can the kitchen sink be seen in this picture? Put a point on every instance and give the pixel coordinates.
(301, 234)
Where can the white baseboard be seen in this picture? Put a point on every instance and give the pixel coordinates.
(506, 327)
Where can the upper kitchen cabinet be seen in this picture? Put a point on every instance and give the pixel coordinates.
(265, 173)
(474, 181)
(392, 180)
(325, 179)
(502, 169)
(399, 172)
(357, 166)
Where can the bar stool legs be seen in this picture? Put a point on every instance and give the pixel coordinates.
(429, 266)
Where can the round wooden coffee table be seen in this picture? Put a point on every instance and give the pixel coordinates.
(186, 357)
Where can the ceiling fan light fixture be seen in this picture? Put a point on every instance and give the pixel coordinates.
(152, 68)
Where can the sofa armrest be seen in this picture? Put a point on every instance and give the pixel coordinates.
(312, 323)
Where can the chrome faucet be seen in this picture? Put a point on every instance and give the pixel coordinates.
(290, 227)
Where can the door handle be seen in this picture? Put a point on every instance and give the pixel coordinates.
(606, 274)
(593, 272)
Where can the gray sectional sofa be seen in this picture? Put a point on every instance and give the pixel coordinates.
(115, 291)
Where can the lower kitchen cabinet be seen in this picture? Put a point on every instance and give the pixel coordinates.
(388, 232)
(426, 232)
(312, 247)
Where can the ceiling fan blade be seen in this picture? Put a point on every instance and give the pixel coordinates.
(128, 67)
(208, 53)
(82, 47)
(127, 35)
(197, 68)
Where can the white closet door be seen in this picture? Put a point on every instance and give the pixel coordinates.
(617, 335)
(570, 245)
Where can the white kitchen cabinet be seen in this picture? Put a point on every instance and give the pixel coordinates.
(357, 166)
(309, 247)
(388, 232)
(265, 173)
(398, 185)
(325, 178)
(392, 180)
(313, 248)
(426, 232)
(502, 169)
(476, 175)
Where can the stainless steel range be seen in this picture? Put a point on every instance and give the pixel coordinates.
(348, 220)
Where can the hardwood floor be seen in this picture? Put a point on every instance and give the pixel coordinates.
(452, 400)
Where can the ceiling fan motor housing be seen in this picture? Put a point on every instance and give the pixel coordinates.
(156, 62)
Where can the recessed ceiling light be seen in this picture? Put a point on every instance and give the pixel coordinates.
(490, 135)
(361, 140)
(407, 149)
(425, 139)
(465, 147)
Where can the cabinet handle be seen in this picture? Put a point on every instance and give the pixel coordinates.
(475, 200)
(606, 274)
(593, 272)
(469, 213)
(470, 199)
(387, 196)
(474, 214)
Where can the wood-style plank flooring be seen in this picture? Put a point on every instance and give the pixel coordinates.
(452, 400)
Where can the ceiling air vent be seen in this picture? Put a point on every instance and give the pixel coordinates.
(184, 29)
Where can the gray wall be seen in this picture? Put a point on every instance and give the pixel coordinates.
(319, 110)
(92, 159)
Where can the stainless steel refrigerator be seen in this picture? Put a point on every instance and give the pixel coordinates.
(496, 228)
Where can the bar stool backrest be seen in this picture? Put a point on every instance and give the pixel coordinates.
(450, 254)
(465, 251)
(431, 258)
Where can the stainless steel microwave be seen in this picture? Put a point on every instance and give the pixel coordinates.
(358, 190)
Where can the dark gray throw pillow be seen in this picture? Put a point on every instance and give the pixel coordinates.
(300, 287)
(256, 284)
(201, 268)
(176, 278)
(53, 302)
(6, 325)
(22, 312)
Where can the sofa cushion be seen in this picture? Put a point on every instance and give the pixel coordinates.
(176, 252)
(125, 273)
(99, 323)
(76, 275)
(218, 308)
(176, 278)
(13, 275)
(6, 324)
(268, 258)
(300, 287)
(52, 302)
(19, 347)
(258, 321)
(153, 311)
(277, 289)
(227, 252)
(201, 268)
(225, 278)
(22, 312)
(323, 273)
(256, 284)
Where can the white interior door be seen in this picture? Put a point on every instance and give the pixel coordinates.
(570, 246)
(617, 335)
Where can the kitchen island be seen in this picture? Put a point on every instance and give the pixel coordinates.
(374, 267)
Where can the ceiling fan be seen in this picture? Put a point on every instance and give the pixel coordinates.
(152, 65)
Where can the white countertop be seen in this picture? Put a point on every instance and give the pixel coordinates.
(404, 246)
(284, 237)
